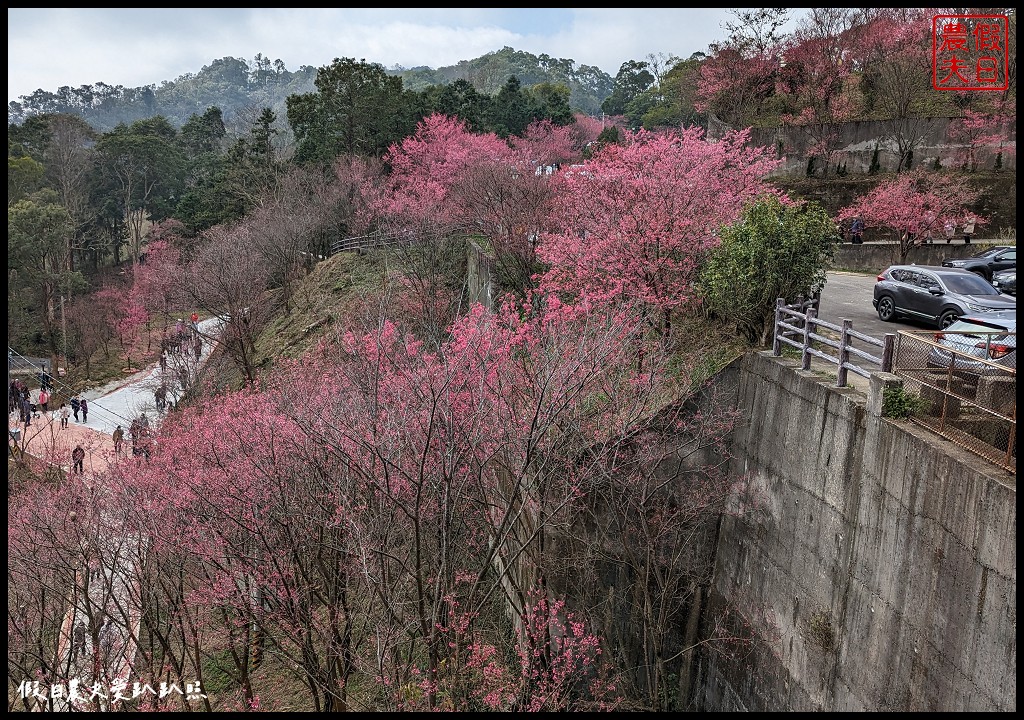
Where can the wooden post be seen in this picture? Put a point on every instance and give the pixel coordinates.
(888, 345)
(844, 354)
(805, 361)
(776, 343)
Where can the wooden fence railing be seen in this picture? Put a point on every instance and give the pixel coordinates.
(799, 326)
(359, 243)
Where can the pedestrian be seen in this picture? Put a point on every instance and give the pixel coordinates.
(198, 346)
(118, 440)
(47, 379)
(78, 456)
(950, 228)
(857, 231)
(135, 433)
(44, 400)
(13, 397)
(968, 229)
(161, 397)
(163, 360)
(76, 405)
(85, 410)
(64, 415)
(26, 412)
(145, 440)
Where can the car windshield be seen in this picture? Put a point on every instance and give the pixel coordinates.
(968, 284)
(990, 252)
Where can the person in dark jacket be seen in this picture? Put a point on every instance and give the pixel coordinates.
(857, 231)
(76, 405)
(85, 410)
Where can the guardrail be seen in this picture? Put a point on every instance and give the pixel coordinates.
(791, 323)
(359, 243)
(966, 397)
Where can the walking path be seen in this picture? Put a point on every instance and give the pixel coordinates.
(116, 403)
(105, 597)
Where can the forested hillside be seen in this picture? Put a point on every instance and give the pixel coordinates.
(237, 86)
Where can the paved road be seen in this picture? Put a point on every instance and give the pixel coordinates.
(848, 296)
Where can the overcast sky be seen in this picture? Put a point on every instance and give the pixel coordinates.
(52, 47)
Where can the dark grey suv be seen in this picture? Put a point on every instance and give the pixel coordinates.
(935, 295)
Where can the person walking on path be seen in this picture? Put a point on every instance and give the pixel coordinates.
(78, 456)
(118, 440)
(85, 410)
(44, 400)
(26, 413)
(64, 415)
(76, 405)
(950, 229)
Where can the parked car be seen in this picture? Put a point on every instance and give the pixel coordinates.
(987, 262)
(935, 295)
(987, 336)
(1006, 281)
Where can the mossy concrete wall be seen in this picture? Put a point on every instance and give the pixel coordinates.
(880, 572)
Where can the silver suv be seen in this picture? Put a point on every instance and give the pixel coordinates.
(935, 295)
(989, 337)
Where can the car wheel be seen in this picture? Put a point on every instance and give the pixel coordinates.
(886, 309)
(947, 318)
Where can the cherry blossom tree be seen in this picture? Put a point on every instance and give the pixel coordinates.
(893, 46)
(637, 219)
(739, 76)
(817, 73)
(915, 205)
(158, 282)
(977, 130)
(130, 316)
(228, 278)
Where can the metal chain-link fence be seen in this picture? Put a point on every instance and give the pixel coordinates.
(967, 383)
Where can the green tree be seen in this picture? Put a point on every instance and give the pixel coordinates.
(357, 109)
(513, 110)
(24, 176)
(203, 133)
(458, 99)
(37, 232)
(631, 81)
(671, 104)
(141, 170)
(554, 100)
(772, 251)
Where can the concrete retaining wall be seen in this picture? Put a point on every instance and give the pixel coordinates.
(856, 141)
(876, 257)
(885, 558)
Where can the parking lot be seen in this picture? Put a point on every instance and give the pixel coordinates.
(848, 296)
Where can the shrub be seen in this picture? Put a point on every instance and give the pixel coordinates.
(899, 404)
